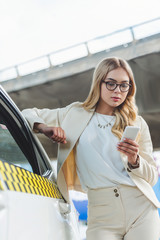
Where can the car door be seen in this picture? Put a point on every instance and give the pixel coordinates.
(31, 205)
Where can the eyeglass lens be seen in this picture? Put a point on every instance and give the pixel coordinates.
(112, 86)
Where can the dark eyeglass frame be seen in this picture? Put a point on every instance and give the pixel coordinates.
(116, 85)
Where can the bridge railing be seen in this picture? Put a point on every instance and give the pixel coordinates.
(121, 37)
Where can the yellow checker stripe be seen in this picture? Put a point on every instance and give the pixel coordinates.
(1, 186)
(21, 180)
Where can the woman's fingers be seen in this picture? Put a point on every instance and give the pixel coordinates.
(129, 148)
(131, 142)
(58, 135)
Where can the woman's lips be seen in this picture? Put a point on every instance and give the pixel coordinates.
(115, 99)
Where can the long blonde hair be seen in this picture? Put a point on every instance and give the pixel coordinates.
(126, 113)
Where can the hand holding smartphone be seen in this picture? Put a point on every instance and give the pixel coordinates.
(130, 132)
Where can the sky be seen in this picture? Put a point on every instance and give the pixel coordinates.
(32, 28)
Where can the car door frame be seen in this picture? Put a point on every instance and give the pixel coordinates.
(8, 106)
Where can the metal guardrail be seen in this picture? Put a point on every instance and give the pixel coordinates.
(106, 42)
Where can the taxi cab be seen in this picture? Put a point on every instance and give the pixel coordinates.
(31, 205)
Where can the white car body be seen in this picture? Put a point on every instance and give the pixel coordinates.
(31, 205)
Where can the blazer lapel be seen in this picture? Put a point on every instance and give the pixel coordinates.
(74, 124)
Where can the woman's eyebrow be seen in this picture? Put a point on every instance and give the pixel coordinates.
(116, 80)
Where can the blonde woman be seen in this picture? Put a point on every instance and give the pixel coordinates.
(117, 176)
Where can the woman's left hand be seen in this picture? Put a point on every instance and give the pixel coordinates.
(130, 148)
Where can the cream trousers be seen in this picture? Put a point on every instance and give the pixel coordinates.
(121, 212)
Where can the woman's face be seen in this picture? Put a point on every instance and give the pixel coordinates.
(112, 99)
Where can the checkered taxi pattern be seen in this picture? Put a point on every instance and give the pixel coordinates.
(21, 180)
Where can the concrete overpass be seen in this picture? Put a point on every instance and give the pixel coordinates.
(65, 83)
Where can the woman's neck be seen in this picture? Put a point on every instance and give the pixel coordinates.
(105, 111)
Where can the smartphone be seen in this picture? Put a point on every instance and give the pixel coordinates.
(130, 132)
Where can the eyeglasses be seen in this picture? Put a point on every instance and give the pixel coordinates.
(111, 86)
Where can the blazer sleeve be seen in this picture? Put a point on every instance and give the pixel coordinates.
(147, 169)
(50, 117)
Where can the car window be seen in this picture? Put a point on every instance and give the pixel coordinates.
(30, 154)
(9, 149)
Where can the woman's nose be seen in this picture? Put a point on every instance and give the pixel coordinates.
(117, 89)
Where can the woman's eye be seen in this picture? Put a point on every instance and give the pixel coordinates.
(111, 84)
(124, 85)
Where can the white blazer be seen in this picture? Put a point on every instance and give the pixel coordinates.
(73, 119)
